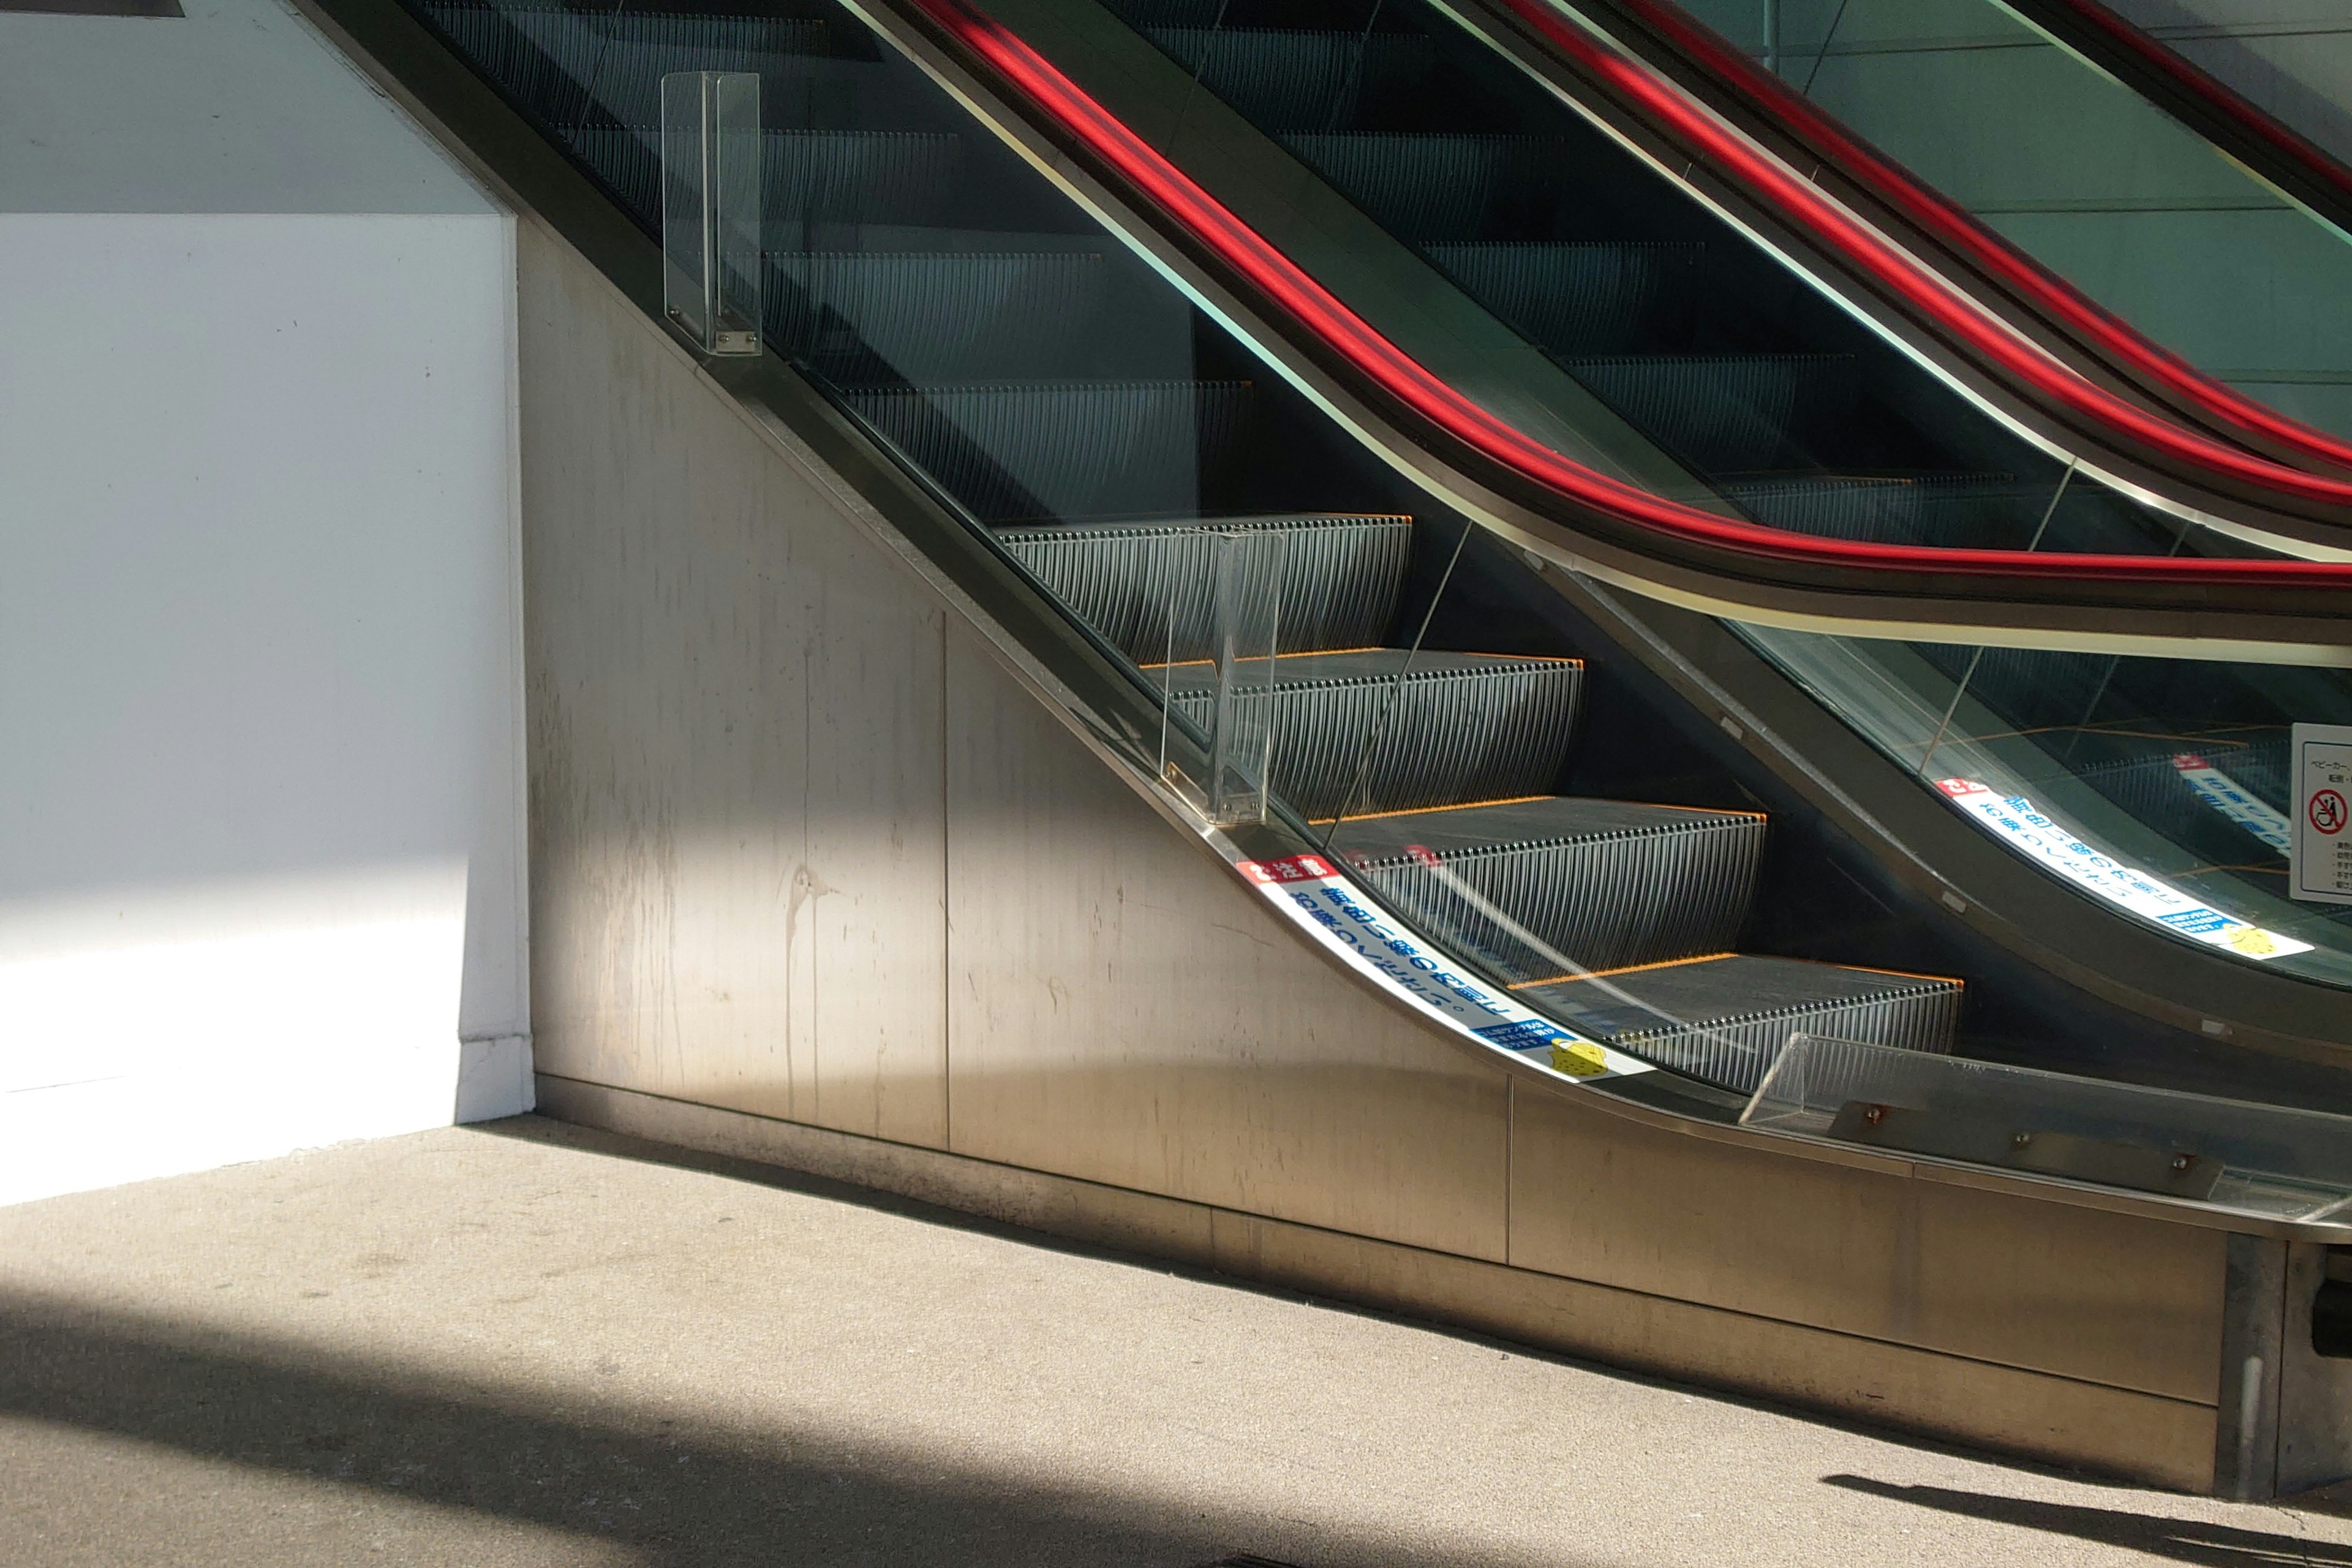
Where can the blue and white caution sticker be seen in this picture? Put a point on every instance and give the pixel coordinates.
(1313, 895)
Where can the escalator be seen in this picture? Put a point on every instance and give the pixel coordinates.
(2053, 143)
(1600, 652)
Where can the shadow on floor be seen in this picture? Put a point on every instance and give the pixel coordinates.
(2177, 1540)
(671, 1492)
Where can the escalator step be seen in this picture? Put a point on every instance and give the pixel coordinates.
(1038, 451)
(1146, 586)
(1457, 727)
(636, 49)
(1432, 187)
(543, 55)
(1583, 299)
(867, 317)
(1726, 1019)
(1727, 414)
(807, 177)
(1987, 511)
(1292, 81)
(1533, 888)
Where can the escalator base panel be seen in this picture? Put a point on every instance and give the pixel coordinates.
(1726, 1019)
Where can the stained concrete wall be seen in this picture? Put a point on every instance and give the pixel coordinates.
(261, 861)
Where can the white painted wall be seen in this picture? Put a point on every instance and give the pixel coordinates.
(261, 862)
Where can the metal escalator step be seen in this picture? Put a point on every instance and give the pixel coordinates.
(1146, 586)
(868, 316)
(549, 55)
(1457, 727)
(1586, 298)
(808, 177)
(1989, 511)
(1287, 80)
(1432, 187)
(638, 48)
(1726, 1019)
(1037, 451)
(1533, 888)
(543, 55)
(1727, 414)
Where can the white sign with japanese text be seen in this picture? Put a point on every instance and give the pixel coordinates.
(2014, 818)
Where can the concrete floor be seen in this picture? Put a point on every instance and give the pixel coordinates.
(531, 1344)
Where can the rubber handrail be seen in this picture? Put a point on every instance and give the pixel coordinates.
(1958, 229)
(1108, 140)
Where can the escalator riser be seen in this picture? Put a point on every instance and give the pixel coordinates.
(816, 182)
(1031, 453)
(1577, 300)
(1436, 738)
(1744, 414)
(1726, 1020)
(1298, 80)
(863, 317)
(1737, 1055)
(1602, 903)
(1146, 590)
(1991, 513)
(544, 59)
(1430, 187)
(638, 49)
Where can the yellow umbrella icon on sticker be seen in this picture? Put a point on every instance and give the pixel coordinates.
(2254, 941)
(1578, 1059)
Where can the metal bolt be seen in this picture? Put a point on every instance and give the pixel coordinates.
(2182, 1161)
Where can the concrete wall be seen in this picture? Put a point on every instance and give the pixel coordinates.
(2292, 57)
(261, 861)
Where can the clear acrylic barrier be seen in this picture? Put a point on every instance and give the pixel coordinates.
(710, 145)
(1245, 628)
(2263, 1160)
(2158, 787)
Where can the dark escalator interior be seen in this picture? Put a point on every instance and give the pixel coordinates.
(1108, 436)
(1790, 409)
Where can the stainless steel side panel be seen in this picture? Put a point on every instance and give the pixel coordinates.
(737, 848)
(2315, 1420)
(1123, 1010)
(2166, 1441)
(2112, 1299)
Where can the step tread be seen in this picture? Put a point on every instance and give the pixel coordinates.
(1366, 667)
(1719, 989)
(1514, 827)
(1185, 527)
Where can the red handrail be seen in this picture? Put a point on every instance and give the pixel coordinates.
(1107, 139)
(1957, 228)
